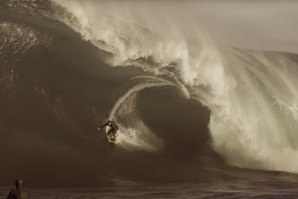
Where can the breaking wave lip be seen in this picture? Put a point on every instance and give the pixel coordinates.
(252, 95)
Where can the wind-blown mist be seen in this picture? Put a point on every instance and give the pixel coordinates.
(252, 96)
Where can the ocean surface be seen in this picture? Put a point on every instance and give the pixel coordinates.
(243, 189)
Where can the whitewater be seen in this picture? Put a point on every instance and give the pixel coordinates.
(252, 95)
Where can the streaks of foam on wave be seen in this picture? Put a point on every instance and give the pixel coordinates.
(176, 83)
(135, 89)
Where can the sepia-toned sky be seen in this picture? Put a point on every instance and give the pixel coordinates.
(265, 25)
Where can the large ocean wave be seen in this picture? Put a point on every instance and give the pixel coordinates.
(252, 96)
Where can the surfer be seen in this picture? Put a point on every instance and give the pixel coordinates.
(113, 128)
(18, 192)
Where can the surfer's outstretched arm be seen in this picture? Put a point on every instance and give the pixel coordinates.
(102, 126)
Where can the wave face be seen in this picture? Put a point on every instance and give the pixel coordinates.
(252, 96)
(180, 100)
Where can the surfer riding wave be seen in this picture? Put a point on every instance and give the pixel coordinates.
(113, 128)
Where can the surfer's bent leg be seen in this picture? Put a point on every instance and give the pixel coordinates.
(112, 132)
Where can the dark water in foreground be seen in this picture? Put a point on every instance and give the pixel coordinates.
(261, 189)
